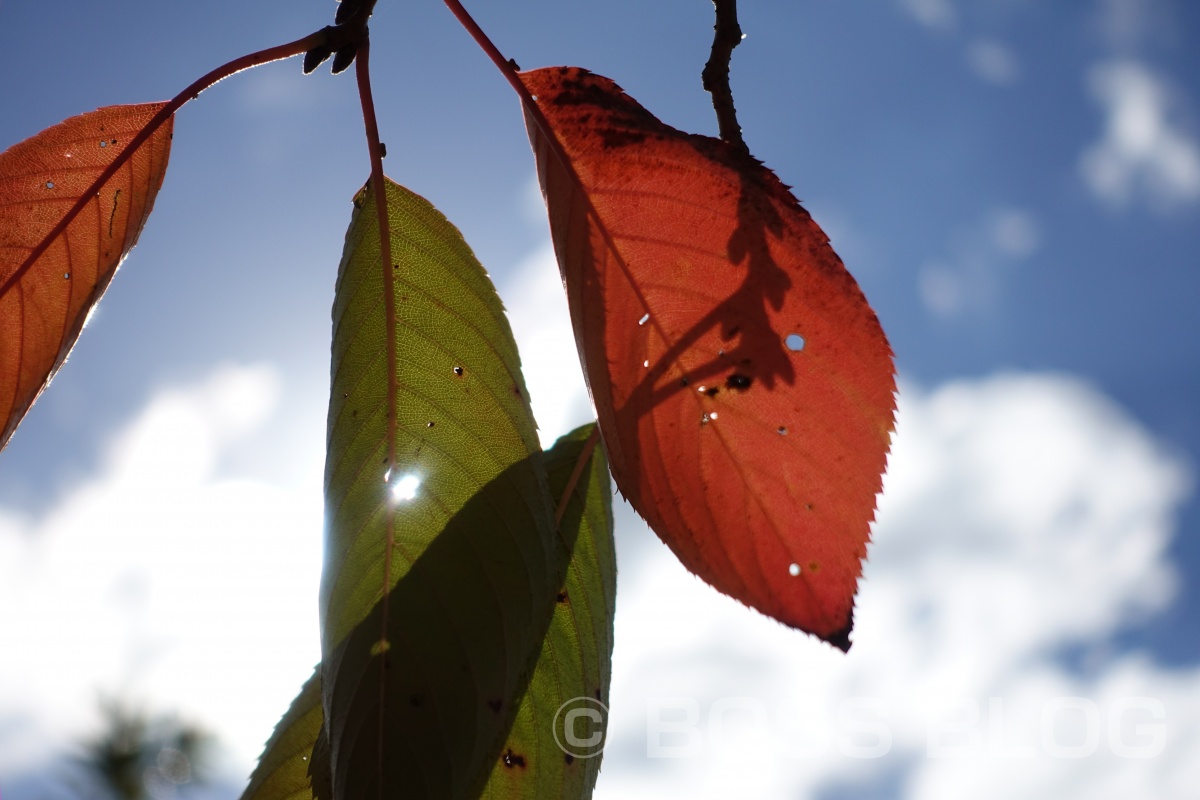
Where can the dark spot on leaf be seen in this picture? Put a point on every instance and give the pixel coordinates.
(597, 693)
(808, 506)
(711, 391)
(738, 381)
(683, 381)
(613, 139)
(458, 371)
(841, 639)
(813, 566)
(516, 390)
(562, 597)
(495, 705)
(511, 759)
(570, 759)
(354, 413)
(781, 430)
(512, 63)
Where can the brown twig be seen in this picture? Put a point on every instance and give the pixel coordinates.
(727, 34)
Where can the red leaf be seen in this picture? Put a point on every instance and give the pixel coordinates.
(744, 387)
(44, 303)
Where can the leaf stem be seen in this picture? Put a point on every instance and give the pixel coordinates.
(190, 93)
(363, 74)
(727, 34)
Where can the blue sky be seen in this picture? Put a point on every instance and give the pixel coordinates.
(1016, 186)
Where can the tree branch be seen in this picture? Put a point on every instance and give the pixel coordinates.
(727, 34)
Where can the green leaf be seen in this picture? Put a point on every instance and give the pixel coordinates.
(422, 667)
(554, 747)
(574, 662)
(282, 771)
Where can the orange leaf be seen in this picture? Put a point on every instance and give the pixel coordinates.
(744, 387)
(44, 302)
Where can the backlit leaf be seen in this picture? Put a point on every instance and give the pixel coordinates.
(537, 760)
(420, 684)
(554, 747)
(282, 771)
(44, 305)
(743, 385)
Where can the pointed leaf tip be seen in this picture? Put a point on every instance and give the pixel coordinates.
(743, 385)
(44, 304)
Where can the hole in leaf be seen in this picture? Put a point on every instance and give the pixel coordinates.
(103, 143)
(794, 342)
(49, 184)
(646, 363)
(66, 276)
(645, 318)
(738, 381)
(429, 424)
(781, 430)
(793, 570)
(458, 371)
(511, 759)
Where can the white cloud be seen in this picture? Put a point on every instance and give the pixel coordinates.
(1015, 232)
(939, 15)
(1021, 514)
(993, 62)
(1144, 154)
(537, 305)
(165, 579)
(971, 277)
